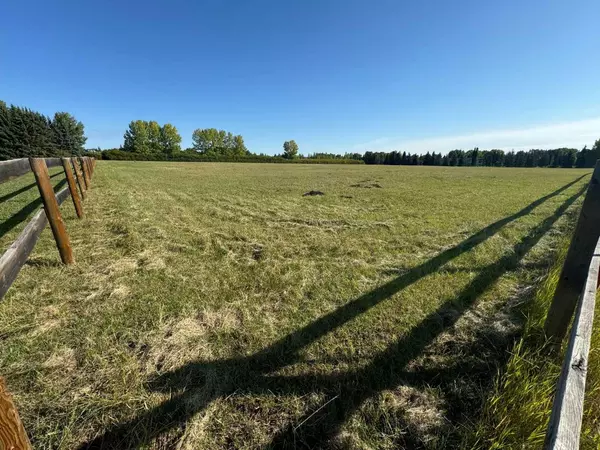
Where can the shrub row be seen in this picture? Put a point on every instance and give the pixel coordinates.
(192, 157)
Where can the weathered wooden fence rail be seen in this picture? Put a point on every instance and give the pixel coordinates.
(575, 292)
(567, 411)
(12, 432)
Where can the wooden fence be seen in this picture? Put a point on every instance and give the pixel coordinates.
(576, 290)
(78, 172)
(567, 411)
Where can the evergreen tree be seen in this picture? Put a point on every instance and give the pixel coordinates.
(509, 159)
(593, 155)
(68, 134)
(475, 156)
(427, 160)
(24, 132)
(581, 157)
(7, 138)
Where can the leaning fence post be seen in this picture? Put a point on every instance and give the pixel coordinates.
(86, 162)
(72, 187)
(86, 174)
(575, 268)
(12, 432)
(40, 170)
(79, 176)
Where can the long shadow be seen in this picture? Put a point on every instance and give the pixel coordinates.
(23, 189)
(251, 374)
(383, 372)
(24, 212)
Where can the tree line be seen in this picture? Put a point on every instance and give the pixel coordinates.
(149, 138)
(149, 141)
(560, 157)
(24, 133)
(216, 145)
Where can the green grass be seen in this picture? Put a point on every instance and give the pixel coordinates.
(517, 412)
(213, 306)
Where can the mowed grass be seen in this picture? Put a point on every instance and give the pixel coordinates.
(214, 306)
(517, 412)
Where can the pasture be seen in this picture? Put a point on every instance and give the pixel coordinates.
(216, 306)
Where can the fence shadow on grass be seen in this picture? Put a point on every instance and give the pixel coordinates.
(26, 210)
(252, 375)
(23, 189)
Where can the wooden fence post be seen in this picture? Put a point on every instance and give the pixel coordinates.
(72, 186)
(87, 166)
(86, 174)
(575, 269)
(38, 166)
(79, 176)
(12, 432)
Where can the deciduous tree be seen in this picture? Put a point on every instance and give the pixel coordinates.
(210, 141)
(170, 140)
(290, 149)
(136, 137)
(154, 137)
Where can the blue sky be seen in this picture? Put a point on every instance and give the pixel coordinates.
(335, 75)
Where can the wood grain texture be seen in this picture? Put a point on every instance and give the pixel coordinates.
(15, 256)
(86, 173)
(87, 166)
(564, 428)
(79, 176)
(13, 168)
(90, 168)
(66, 162)
(38, 165)
(12, 432)
(575, 269)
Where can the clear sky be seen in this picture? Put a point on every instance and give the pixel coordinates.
(335, 75)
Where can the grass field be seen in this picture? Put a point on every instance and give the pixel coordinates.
(215, 306)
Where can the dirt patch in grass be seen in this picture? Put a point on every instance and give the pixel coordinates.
(367, 184)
